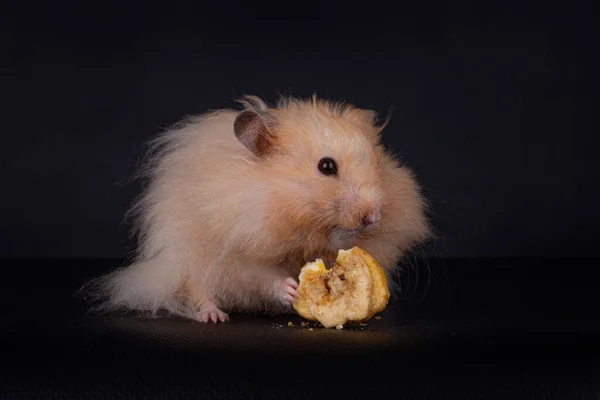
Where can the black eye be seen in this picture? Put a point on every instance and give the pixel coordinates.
(327, 166)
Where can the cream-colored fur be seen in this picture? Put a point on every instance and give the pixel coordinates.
(220, 226)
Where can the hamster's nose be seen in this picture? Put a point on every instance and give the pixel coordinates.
(371, 218)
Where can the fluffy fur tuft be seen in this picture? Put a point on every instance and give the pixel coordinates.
(219, 225)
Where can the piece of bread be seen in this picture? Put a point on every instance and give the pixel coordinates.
(354, 290)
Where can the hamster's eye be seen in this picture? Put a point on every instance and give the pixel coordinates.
(327, 166)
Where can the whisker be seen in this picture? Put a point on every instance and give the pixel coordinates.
(429, 273)
(416, 267)
(407, 272)
(398, 271)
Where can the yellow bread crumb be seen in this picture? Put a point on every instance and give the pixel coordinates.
(354, 290)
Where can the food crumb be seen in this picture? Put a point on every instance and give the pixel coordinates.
(290, 324)
(310, 329)
(339, 327)
(377, 317)
(304, 323)
(363, 324)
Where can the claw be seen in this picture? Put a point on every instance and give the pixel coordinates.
(211, 314)
(287, 290)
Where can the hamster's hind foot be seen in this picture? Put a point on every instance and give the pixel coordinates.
(210, 313)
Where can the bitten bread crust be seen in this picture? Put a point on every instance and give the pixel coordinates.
(353, 290)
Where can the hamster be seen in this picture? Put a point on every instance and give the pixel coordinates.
(237, 201)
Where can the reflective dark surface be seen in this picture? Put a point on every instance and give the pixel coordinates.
(491, 328)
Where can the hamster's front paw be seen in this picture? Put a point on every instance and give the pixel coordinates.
(286, 291)
(210, 313)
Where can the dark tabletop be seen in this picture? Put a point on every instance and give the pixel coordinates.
(463, 329)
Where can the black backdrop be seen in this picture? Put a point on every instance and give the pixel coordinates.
(492, 108)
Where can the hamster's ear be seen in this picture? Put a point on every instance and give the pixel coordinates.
(375, 119)
(254, 130)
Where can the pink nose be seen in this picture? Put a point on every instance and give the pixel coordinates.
(370, 218)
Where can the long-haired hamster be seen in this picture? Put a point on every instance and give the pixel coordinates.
(237, 201)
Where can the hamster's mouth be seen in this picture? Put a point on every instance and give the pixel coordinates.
(344, 238)
(347, 235)
(351, 232)
(345, 231)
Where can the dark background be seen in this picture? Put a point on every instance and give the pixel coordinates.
(492, 107)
